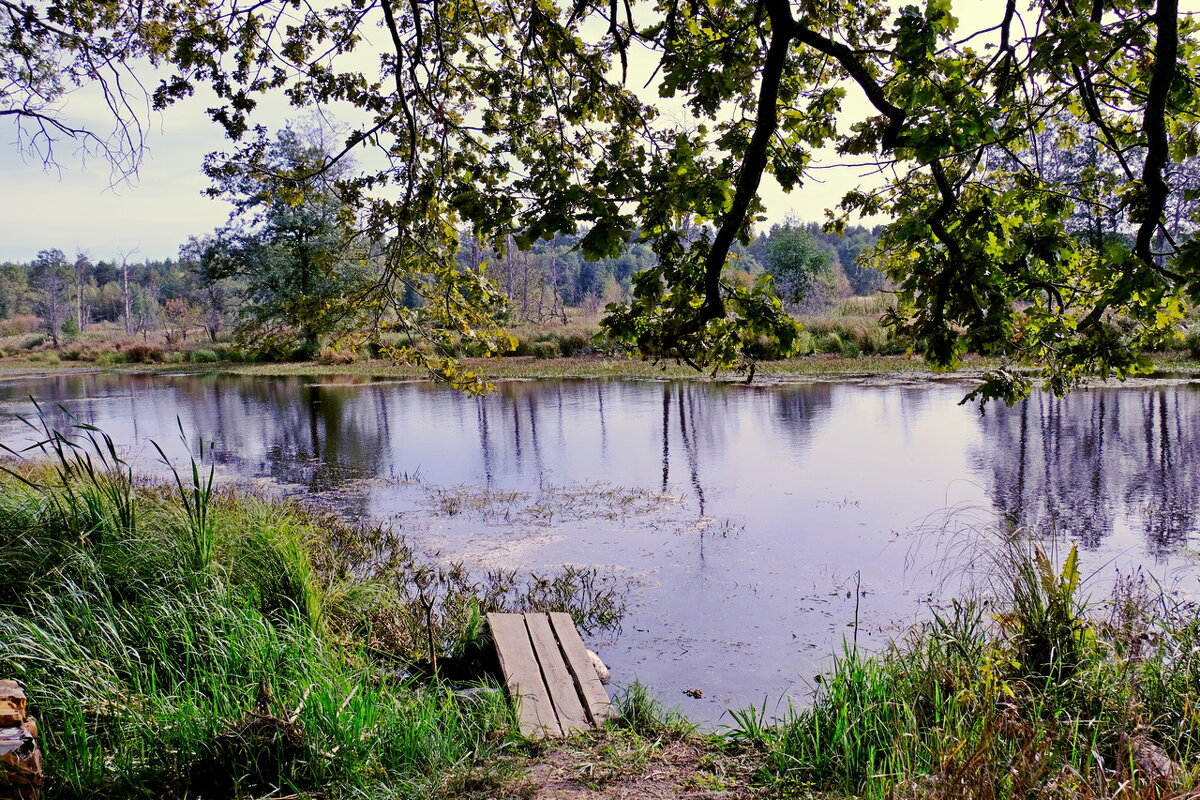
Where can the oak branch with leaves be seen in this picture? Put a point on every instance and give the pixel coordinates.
(520, 119)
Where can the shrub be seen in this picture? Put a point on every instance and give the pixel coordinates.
(604, 345)
(544, 349)
(332, 356)
(804, 344)
(77, 353)
(1191, 341)
(36, 340)
(471, 348)
(523, 348)
(112, 357)
(203, 356)
(762, 347)
(307, 351)
(826, 343)
(573, 343)
(19, 325)
(231, 353)
(144, 354)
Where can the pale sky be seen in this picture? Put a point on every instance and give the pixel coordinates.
(74, 207)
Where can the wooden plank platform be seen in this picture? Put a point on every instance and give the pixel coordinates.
(549, 673)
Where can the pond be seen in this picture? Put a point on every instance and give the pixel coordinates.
(754, 529)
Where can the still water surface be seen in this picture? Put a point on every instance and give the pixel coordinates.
(752, 526)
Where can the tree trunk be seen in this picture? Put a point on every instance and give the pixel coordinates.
(125, 293)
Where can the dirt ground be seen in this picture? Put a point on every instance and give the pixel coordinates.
(618, 767)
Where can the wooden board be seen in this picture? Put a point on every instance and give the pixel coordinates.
(523, 675)
(571, 714)
(579, 663)
(548, 670)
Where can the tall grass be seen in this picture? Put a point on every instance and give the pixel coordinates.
(174, 643)
(1030, 692)
(196, 501)
(88, 485)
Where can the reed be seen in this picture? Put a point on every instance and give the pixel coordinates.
(176, 642)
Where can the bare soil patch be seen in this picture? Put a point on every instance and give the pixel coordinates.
(616, 765)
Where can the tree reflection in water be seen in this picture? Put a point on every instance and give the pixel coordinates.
(1089, 464)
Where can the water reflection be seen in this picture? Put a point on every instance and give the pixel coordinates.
(1097, 463)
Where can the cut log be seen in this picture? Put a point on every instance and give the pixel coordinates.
(20, 757)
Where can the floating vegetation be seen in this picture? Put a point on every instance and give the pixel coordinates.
(571, 502)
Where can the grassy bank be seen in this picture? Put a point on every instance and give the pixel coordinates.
(1026, 692)
(849, 339)
(846, 340)
(178, 642)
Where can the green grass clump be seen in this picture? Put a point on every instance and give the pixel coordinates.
(638, 710)
(111, 358)
(1029, 693)
(203, 356)
(178, 642)
(851, 333)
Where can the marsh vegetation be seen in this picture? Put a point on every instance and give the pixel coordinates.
(187, 642)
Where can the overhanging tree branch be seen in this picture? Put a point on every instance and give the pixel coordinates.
(1166, 51)
(754, 161)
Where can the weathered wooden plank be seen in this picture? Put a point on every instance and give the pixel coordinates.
(560, 682)
(595, 699)
(523, 676)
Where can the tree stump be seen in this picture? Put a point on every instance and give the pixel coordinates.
(20, 757)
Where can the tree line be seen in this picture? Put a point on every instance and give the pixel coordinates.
(257, 283)
(292, 271)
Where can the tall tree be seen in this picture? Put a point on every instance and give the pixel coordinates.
(14, 287)
(799, 267)
(127, 292)
(82, 272)
(52, 279)
(293, 245)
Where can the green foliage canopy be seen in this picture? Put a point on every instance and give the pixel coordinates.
(519, 118)
(305, 276)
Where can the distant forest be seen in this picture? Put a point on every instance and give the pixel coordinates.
(61, 295)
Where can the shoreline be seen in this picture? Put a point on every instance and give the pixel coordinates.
(1169, 368)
